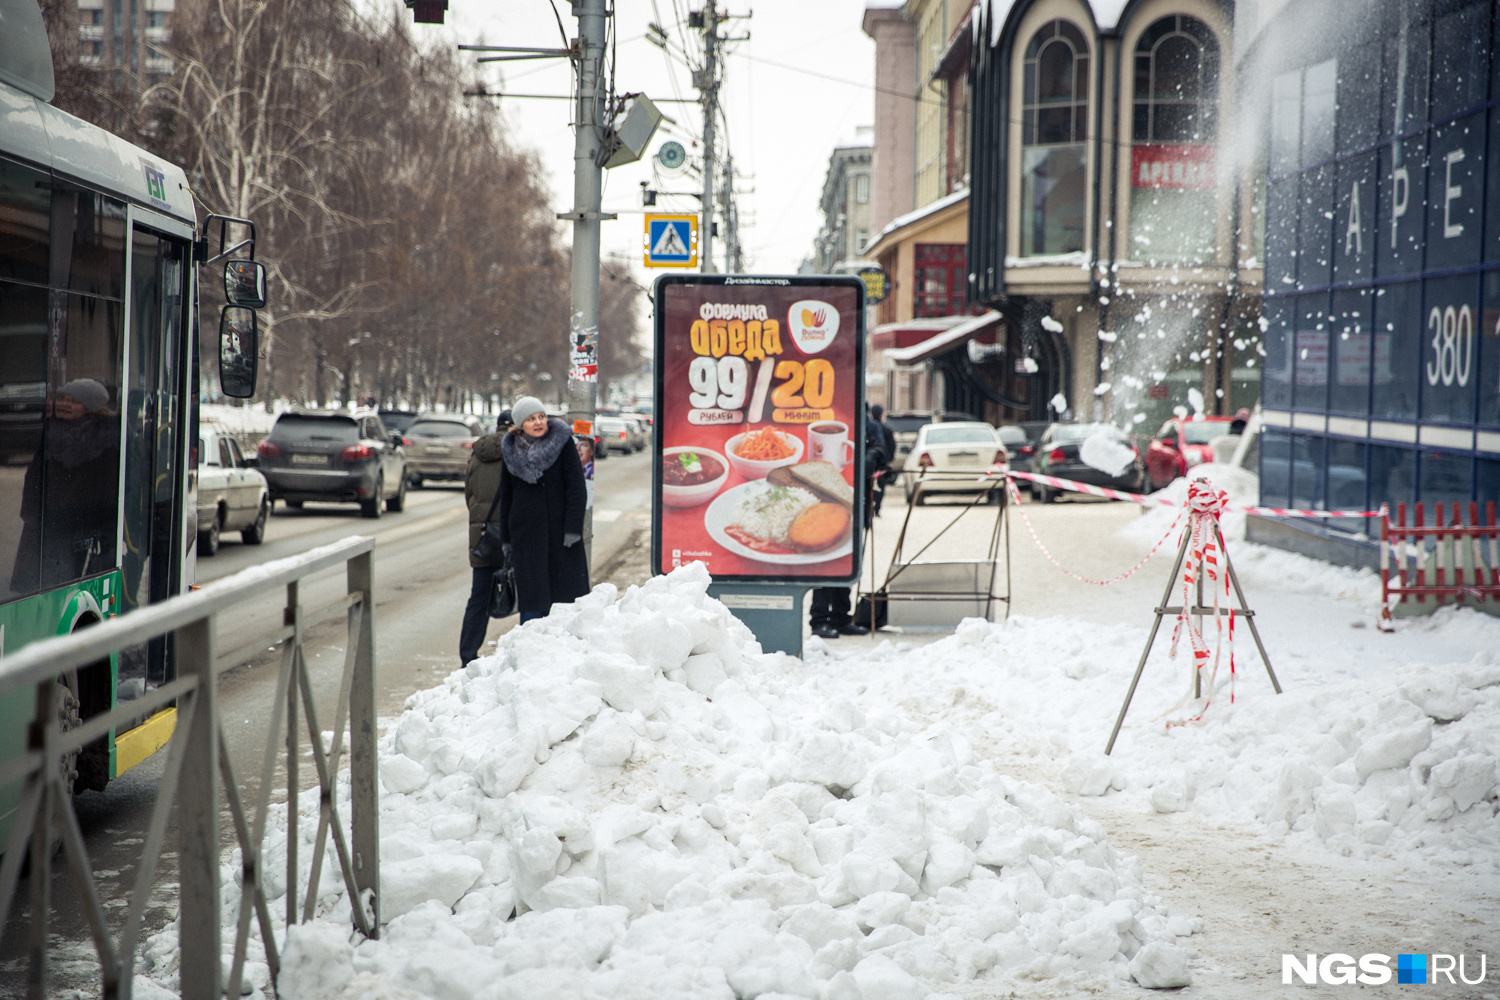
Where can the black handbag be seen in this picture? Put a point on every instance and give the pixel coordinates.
(503, 591)
(490, 549)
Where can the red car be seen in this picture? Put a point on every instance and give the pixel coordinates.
(1181, 444)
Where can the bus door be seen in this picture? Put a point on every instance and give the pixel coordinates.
(157, 497)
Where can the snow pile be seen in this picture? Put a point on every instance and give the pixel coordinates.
(1287, 571)
(1394, 759)
(667, 811)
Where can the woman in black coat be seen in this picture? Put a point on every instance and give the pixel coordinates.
(542, 499)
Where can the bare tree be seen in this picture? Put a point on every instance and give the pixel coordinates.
(412, 250)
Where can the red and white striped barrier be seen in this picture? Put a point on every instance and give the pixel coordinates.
(1205, 504)
(1100, 491)
(1015, 496)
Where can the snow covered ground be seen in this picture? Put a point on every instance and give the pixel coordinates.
(630, 799)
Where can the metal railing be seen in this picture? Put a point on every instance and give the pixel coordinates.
(197, 762)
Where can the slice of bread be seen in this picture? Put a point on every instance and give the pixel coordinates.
(819, 478)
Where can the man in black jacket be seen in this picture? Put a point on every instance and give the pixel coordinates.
(888, 474)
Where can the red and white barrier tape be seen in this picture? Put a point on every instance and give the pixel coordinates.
(1205, 504)
(1015, 496)
(1100, 491)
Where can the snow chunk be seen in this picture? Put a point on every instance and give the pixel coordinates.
(316, 958)
(1159, 966)
(1393, 749)
(1466, 780)
(443, 877)
(1103, 451)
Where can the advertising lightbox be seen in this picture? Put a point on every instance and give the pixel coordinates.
(759, 426)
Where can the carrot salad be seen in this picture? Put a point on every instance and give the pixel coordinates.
(765, 445)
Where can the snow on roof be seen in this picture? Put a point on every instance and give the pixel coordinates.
(1107, 14)
(931, 208)
(933, 346)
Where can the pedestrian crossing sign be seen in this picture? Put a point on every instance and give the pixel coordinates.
(671, 241)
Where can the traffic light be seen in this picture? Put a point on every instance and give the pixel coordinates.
(428, 11)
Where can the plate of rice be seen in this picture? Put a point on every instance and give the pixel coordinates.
(754, 520)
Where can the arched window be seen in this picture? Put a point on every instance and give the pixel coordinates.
(1174, 128)
(1176, 82)
(1054, 124)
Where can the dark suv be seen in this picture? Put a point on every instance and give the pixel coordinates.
(337, 456)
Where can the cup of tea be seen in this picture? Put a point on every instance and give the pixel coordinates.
(828, 441)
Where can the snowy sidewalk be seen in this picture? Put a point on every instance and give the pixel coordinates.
(629, 799)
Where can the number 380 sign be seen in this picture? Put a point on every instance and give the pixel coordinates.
(760, 420)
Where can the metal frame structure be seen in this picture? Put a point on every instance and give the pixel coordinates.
(1198, 610)
(994, 485)
(197, 763)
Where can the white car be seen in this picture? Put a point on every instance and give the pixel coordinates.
(231, 496)
(951, 457)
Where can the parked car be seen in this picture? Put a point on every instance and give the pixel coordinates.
(641, 432)
(614, 435)
(396, 421)
(1057, 454)
(232, 496)
(337, 456)
(1181, 444)
(905, 424)
(946, 448)
(438, 446)
(1018, 446)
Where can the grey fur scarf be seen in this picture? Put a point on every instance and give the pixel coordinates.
(527, 458)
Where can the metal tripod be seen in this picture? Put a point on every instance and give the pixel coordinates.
(1164, 609)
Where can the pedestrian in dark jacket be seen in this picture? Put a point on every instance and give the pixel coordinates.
(481, 483)
(542, 502)
(888, 446)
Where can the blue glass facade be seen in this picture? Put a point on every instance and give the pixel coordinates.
(1381, 381)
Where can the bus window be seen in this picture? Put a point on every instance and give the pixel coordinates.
(23, 392)
(25, 223)
(80, 475)
(96, 265)
(153, 496)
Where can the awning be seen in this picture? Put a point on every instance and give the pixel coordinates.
(947, 341)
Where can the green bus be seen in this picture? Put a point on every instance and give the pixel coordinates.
(99, 260)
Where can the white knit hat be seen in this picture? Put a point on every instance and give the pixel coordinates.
(525, 407)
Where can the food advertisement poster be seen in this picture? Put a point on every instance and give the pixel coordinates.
(760, 420)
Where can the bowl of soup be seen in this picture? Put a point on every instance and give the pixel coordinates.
(691, 476)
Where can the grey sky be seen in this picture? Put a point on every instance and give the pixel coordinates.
(782, 122)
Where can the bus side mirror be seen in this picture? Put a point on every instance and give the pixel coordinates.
(239, 337)
(245, 284)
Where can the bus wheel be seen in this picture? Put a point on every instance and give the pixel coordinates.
(69, 719)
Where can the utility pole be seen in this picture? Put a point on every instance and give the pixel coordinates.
(733, 260)
(708, 89)
(583, 327)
